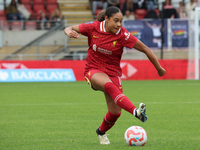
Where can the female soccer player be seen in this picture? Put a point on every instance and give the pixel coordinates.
(106, 40)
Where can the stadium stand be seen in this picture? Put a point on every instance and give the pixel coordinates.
(157, 12)
(16, 25)
(38, 1)
(51, 7)
(141, 13)
(5, 26)
(97, 11)
(38, 7)
(38, 13)
(2, 15)
(28, 5)
(7, 2)
(30, 25)
(51, 1)
(76, 12)
(1, 4)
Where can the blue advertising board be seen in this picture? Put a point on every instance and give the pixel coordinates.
(37, 75)
(149, 32)
(179, 33)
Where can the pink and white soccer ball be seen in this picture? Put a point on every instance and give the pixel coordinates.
(135, 136)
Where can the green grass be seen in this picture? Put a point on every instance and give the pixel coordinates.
(57, 116)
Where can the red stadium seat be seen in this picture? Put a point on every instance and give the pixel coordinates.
(2, 13)
(3, 18)
(28, 6)
(16, 25)
(51, 7)
(38, 1)
(157, 12)
(30, 25)
(51, 1)
(31, 11)
(141, 13)
(50, 14)
(5, 25)
(97, 11)
(38, 13)
(26, 1)
(121, 2)
(37, 7)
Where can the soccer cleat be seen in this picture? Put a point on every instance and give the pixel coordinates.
(102, 137)
(140, 112)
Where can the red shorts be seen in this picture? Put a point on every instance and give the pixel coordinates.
(115, 79)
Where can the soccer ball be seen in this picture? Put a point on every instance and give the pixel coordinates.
(135, 136)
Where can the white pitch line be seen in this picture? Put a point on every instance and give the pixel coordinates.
(173, 102)
(54, 104)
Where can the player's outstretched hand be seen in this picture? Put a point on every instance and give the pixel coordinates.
(161, 71)
(71, 33)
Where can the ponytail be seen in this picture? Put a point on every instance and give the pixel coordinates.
(101, 15)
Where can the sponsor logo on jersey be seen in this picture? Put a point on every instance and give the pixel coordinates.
(95, 37)
(114, 43)
(127, 35)
(101, 50)
(94, 47)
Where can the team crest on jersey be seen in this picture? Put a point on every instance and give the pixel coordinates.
(114, 43)
(127, 35)
(89, 73)
(89, 22)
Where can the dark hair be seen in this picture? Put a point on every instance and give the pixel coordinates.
(108, 12)
(101, 15)
(19, 2)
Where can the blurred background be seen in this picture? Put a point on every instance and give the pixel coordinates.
(33, 29)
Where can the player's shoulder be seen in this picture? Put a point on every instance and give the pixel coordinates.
(92, 23)
(124, 33)
(123, 30)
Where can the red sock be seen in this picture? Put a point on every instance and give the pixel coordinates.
(109, 121)
(120, 99)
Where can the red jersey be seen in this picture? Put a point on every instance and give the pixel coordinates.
(105, 49)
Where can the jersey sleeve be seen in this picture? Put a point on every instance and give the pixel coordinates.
(86, 28)
(128, 40)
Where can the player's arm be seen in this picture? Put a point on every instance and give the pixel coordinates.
(143, 48)
(72, 31)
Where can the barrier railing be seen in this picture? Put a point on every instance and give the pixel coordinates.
(27, 25)
(82, 56)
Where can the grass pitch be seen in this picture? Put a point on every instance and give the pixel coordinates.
(60, 116)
